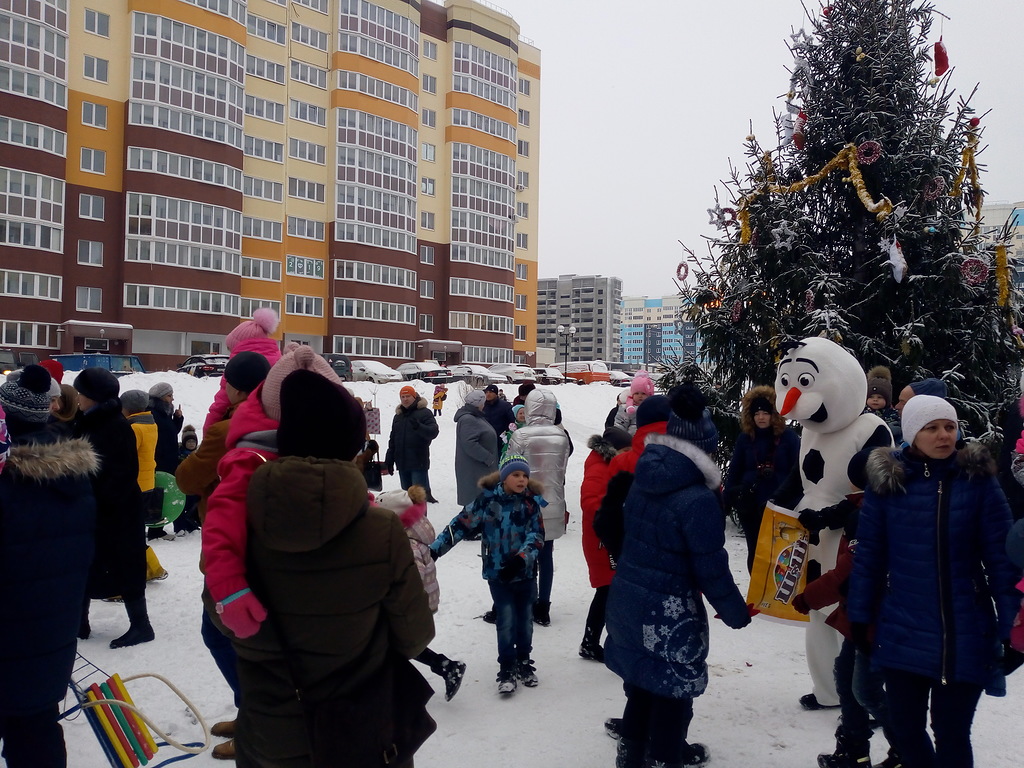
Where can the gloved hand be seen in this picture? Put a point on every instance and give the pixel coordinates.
(242, 613)
(741, 621)
(800, 604)
(513, 566)
(859, 635)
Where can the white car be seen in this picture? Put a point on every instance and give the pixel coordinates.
(516, 373)
(426, 370)
(620, 378)
(477, 375)
(371, 370)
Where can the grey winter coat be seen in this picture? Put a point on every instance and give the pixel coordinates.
(476, 452)
(546, 448)
(625, 419)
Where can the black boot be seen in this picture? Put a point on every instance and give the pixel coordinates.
(850, 753)
(590, 648)
(452, 672)
(542, 614)
(140, 630)
(84, 630)
(629, 754)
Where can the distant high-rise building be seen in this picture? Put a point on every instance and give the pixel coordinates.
(994, 216)
(588, 303)
(653, 330)
(367, 169)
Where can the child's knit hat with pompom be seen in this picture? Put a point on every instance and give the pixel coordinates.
(264, 322)
(690, 419)
(409, 505)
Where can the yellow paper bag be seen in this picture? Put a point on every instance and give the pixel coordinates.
(780, 565)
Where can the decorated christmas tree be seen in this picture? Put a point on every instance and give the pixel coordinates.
(861, 223)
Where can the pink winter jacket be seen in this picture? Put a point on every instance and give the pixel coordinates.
(421, 535)
(251, 442)
(269, 348)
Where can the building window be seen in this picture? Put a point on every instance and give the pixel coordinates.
(96, 69)
(261, 269)
(314, 38)
(520, 301)
(429, 84)
(426, 254)
(524, 117)
(90, 252)
(94, 114)
(426, 289)
(305, 228)
(309, 306)
(522, 240)
(426, 219)
(524, 86)
(306, 150)
(524, 148)
(523, 210)
(427, 323)
(520, 333)
(94, 160)
(429, 152)
(430, 50)
(306, 190)
(429, 118)
(304, 266)
(427, 186)
(97, 23)
(308, 113)
(523, 179)
(263, 189)
(268, 30)
(90, 207)
(88, 299)
(522, 271)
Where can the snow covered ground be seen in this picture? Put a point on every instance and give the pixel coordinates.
(748, 717)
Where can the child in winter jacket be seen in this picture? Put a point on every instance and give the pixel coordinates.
(249, 335)
(411, 508)
(507, 518)
(440, 395)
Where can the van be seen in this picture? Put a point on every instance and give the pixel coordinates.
(585, 372)
(119, 365)
(340, 364)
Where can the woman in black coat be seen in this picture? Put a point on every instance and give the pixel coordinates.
(47, 526)
(119, 567)
(412, 431)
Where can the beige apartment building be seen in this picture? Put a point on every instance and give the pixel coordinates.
(367, 169)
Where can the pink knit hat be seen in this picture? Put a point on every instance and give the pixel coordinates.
(296, 357)
(641, 384)
(264, 322)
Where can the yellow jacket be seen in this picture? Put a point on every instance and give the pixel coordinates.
(145, 444)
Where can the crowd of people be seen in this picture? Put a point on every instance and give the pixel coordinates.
(318, 592)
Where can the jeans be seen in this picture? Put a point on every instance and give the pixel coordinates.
(952, 712)
(409, 477)
(546, 571)
(854, 722)
(513, 614)
(33, 741)
(658, 722)
(869, 691)
(223, 654)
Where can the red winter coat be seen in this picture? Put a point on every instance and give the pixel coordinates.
(596, 474)
(830, 588)
(626, 461)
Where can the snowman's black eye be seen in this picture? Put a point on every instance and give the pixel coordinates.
(805, 380)
(784, 379)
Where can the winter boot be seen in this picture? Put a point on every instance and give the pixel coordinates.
(527, 673)
(452, 672)
(542, 614)
(489, 617)
(695, 754)
(850, 753)
(507, 680)
(892, 760)
(810, 701)
(629, 754)
(223, 729)
(613, 727)
(224, 751)
(140, 630)
(84, 630)
(590, 648)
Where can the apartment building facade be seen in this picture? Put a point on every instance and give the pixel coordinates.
(588, 303)
(367, 169)
(653, 330)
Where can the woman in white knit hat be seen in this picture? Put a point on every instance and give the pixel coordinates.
(932, 576)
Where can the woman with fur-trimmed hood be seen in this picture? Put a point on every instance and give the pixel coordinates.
(931, 573)
(765, 453)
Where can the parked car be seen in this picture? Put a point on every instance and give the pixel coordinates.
(516, 373)
(585, 372)
(204, 365)
(549, 376)
(477, 375)
(427, 370)
(341, 365)
(371, 370)
(11, 360)
(119, 365)
(620, 378)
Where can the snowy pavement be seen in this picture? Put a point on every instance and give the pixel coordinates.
(748, 717)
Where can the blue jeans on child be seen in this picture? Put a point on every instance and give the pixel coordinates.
(513, 614)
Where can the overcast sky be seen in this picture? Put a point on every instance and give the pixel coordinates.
(644, 102)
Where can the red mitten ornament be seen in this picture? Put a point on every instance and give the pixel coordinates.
(798, 130)
(242, 613)
(941, 58)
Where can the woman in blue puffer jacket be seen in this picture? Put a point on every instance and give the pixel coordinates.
(932, 574)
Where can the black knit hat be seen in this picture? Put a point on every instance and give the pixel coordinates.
(97, 384)
(246, 370)
(652, 410)
(759, 404)
(690, 419)
(28, 396)
(319, 418)
(617, 438)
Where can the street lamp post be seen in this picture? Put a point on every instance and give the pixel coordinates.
(566, 334)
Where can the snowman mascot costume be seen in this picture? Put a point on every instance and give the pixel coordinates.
(823, 387)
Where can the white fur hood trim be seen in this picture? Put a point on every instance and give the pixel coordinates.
(712, 474)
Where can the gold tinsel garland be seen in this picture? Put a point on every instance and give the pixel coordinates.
(968, 166)
(847, 159)
(1002, 275)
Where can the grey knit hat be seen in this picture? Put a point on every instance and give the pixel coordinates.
(28, 395)
(134, 401)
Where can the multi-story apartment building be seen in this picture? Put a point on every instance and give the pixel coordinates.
(368, 169)
(588, 303)
(654, 330)
(996, 215)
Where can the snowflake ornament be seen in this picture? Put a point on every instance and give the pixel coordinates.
(716, 217)
(900, 211)
(783, 236)
(801, 40)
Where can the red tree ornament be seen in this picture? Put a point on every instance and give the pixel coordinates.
(941, 58)
(798, 130)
